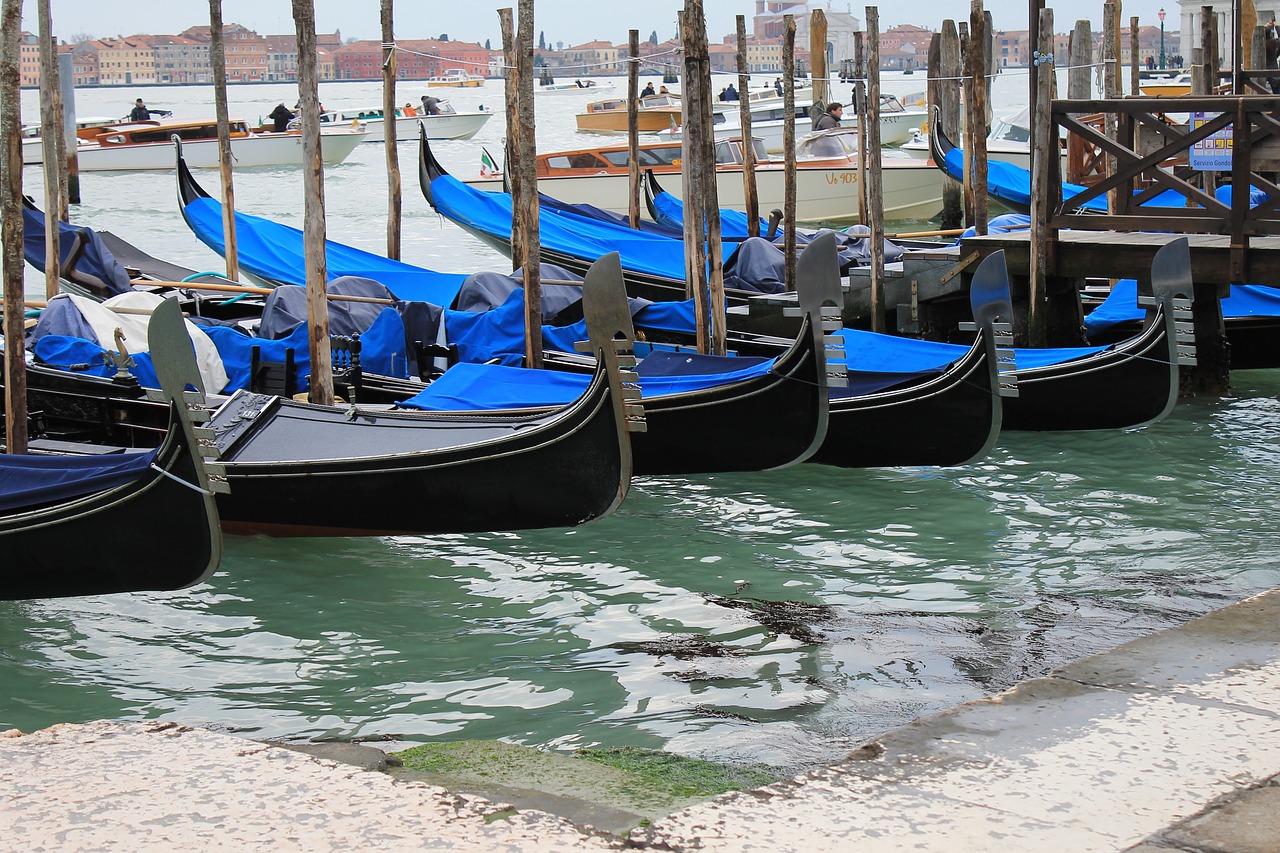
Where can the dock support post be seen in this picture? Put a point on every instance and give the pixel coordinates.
(67, 153)
(1044, 159)
(633, 128)
(750, 194)
(875, 177)
(49, 132)
(860, 101)
(389, 71)
(526, 164)
(511, 100)
(15, 368)
(217, 58)
(976, 113)
(949, 70)
(789, 149)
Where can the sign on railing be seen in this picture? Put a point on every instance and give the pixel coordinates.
(1212, 154)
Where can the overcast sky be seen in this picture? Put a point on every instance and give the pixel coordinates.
(569, 21)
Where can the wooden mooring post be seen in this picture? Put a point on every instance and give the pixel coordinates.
(1045, 158)
(313, 225)
(860, 102)
(511, 102)
(976, 113)
(527, 204)
(633, 128)
(818, 61)
(67, 154)
(789, 149)
(949, 101)
(49, 132)
(873, 156)
(15, 368)
(750, 193)
(1135, 77)
(394, 198)
(217, 58)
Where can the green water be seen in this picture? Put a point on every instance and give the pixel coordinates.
(920, 588)
(666, 625)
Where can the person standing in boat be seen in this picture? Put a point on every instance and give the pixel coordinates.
(830, 117)
(281, 115)
(141, 113)
(648, 91)
(430, 105)
(730, 93)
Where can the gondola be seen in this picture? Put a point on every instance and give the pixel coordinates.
(302, 469)
(653, 265)
(110, 521)
(717, 415)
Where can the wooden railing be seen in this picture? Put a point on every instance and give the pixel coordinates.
(1146, 155)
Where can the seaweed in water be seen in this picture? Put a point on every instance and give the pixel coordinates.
(790, 618)
(682, 647)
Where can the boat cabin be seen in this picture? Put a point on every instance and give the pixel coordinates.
(652, 102)
(144, 132)
(663, 157)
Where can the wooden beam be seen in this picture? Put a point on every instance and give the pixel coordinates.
(949, 68)
(977, 112)
(511, 98)
(1044, 193)
(633, 128)
(789, 149)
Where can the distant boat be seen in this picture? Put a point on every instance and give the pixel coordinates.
(147, 145)
(548, 86)
(458, 78)
(1172, 83)
(656, 112)
(33, 145)
(449, 123)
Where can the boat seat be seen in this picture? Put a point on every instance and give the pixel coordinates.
(429, 356)
(347, 373)
(273, 377)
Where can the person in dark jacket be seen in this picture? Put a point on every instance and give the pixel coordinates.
(830, 117)
(281, 115)
(141, 113)
(648, 90)
(730, 93)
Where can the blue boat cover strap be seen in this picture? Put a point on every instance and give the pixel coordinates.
(28, 482)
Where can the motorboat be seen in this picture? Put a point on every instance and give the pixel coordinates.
(148, 145)
(1008, 141)
(1171, 83)
(655, 112)
(547, 85)
(457, 78)
(826, 175)
(449, 123)
(767, 122)
(33, 144)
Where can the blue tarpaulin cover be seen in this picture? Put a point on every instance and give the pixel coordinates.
(873, 352)
(1013, 183)
(32, 481)
(566, 233)
(1121, 305)
(476, 387)
(275, 252)
(94, 261)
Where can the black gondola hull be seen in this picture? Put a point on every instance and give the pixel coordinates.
(154, 533)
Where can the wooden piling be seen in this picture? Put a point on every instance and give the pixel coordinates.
(949, 69)
(1250, 56)
(1110, 84)
(389, 130)
(49, 131)
(708, 193)
(1116, 52)
(526, 164)
(1033, 39)
(67, 154)
(976, 113)
(1044, 157)
(511, 100)
(965, 129)
(1079, 88)
(1135, 77)
(860, 101)
(789, 149)
(217, 58)
(1209, 76)
(313, 225)
(875, 183)
(15, 368)
(750, 193)
(633, 128)
(818, 57)
(695, 232)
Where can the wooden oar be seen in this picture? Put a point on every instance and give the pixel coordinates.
(244, 288)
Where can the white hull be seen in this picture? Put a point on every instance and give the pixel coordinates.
(895, 129)
(451, 126)
(259, 150)
(573, 89)
(912, 190)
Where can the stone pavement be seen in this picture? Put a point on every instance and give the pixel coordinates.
(1171, 742)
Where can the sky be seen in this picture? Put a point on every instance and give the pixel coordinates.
(569, 21)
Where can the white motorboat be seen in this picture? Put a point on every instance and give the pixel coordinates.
(591, 87)
(148, 145)
(826, 178)
(896, 123)
(33, 145)
(1009, 140)
(449, 123)
(458, 78)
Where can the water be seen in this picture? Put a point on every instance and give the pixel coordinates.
(896, 592)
